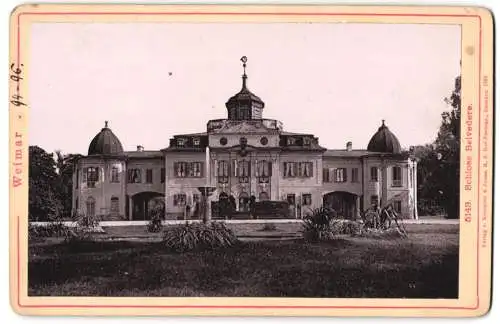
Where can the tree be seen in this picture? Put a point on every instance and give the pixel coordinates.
(44, 200)
(65, 166)
(447, 146)
(439, 163)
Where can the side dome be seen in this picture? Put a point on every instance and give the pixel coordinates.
(105, 143)
(384, 141)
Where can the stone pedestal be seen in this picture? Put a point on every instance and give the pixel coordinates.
(206, 192)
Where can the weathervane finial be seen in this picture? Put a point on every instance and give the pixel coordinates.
(106, 124)
(244, 60)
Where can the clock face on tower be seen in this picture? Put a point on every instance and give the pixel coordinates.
(223, 141)
(264, 141)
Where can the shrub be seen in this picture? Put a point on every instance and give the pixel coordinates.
(155, 225)
(269, 228)
(86, 226)
(271, 209)
(323, 225)
(54, 229)
(198, 236)
(391, 233)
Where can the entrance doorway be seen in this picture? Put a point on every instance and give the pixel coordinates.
(144, 203)
(344, 203)
(244, 202)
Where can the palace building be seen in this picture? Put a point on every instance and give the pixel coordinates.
(243, 156)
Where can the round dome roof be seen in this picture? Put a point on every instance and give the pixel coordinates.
(384, 141)
(105, 143)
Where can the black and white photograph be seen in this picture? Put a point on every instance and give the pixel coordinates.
(291, 160)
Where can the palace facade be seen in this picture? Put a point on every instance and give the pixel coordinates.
(242, 156)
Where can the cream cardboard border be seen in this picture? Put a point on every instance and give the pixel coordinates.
(475, 227)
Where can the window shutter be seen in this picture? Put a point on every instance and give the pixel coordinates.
(295, 166)
(235, 168)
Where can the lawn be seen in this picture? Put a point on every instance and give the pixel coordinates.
(423, 266)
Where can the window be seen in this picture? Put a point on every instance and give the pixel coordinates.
(90, 207)
(326, 175)
(181, 142)
(374, 174)
(196, 197)
(180, 199)
(396, 176)
(195, 169)
(149, 175)
(306, 199)
(243, 171)
(163, 175)
(115, 207)
(264, 170)
(374, 200)
(354, 175)
(223, 171)
(92, 176)
(305, 169)
(134, 176)
(397, 206)
(290, 169)
(340, 175)
(196, 141)
(115, 174)
(188, 169)
(263, 196)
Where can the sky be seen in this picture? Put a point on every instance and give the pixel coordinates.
(154, 80)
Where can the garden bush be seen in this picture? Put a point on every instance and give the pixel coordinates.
(323, 225)
(86, 227)
(270, 208)
(54, 229)
(198, 236)
(269, 228)
(156, 214)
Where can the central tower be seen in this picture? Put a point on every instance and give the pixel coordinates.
(244, 105)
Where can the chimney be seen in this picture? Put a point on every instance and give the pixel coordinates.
(140, 148)
(348, 146)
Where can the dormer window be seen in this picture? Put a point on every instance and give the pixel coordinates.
(196, 141)
(291, 141)
(307, 141)
(181, 142)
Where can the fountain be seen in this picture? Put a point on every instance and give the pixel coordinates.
(206, 191)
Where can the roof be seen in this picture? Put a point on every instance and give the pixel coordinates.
(105, 143)
(244, 95)
(384, 141)
(192, 134)
(345, 153)
(144, 154)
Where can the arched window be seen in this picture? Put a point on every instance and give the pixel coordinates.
(115, 205)
(90, 207)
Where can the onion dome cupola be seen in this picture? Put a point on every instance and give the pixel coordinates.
(384, 141)
(244, 105)
(105, 143)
